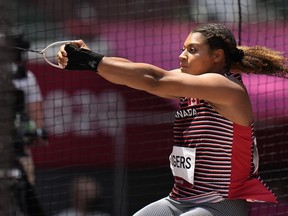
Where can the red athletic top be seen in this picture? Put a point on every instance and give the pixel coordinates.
(213, 158)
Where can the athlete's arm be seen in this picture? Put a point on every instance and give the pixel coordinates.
(219, 90)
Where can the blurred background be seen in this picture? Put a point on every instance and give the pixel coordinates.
(113, 137)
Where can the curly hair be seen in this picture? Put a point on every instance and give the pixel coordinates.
(261, 60)
(243, 59)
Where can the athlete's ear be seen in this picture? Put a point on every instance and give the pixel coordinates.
(218, 55)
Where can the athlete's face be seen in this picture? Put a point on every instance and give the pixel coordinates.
(196, 57)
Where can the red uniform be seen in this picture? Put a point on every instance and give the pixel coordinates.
(214, 159)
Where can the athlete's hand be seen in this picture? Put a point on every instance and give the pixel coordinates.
(62, 55)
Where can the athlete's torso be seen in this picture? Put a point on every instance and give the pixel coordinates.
(213, 157)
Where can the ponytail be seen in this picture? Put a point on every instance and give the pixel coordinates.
(261, 60)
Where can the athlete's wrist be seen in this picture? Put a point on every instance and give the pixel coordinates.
(82, 59)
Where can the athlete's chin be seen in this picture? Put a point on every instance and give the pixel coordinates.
(184, 69)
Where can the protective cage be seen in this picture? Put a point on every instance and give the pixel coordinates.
(114, 139)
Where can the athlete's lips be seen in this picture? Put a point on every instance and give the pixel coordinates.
(183, 65)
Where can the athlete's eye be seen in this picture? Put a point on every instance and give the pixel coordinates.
(192, 50)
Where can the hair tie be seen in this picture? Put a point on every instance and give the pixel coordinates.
(238, 55)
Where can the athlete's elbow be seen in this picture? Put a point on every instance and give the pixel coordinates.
(156, 87)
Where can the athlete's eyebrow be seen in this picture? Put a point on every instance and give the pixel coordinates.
(191, 44)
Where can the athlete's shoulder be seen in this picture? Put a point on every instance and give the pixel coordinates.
(177, 70)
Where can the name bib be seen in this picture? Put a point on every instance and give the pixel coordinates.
(182, 164)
